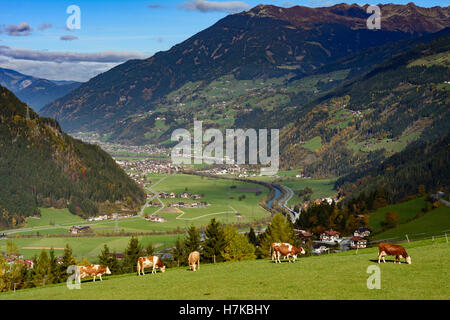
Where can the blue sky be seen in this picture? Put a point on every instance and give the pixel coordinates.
(34, 39)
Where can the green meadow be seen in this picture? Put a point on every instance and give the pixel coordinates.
(335, 276)
(433, 223)
(405, 210)
(322, 188)
(222, 197)
(88, 247)
(51, 216)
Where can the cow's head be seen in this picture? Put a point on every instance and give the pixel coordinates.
(108, 271)
(163, 268)
(408, 260)
(302, 251)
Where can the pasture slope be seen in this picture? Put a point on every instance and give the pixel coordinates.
(335, 276)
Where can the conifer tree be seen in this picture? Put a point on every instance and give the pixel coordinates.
(114, 264)
(53, 261)
(193, 240)
(252, 237)
(179, 252)
(42, 269)
(104, 258)
(214, 241)
(237, 246)
(279, 230)
(132, 253)
(67, 261)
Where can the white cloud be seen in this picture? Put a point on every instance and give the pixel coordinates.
(211, 6)
(36, 55)
(62, 65)
(68, 38)
(23, 29)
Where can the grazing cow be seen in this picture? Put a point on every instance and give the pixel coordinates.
(285, 250)
(399, 252)
(273, 251)
(93, 270)
(194, 259)
(150, 262)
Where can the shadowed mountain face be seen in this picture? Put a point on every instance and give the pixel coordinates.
(264, 42)
(41, 166)
(34, 91)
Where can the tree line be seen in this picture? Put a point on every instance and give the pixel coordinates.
(218, 243)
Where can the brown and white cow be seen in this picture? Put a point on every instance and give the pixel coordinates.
(194, 260)
(385, 249)
(150, 262)
(285, 250)
(93, 270)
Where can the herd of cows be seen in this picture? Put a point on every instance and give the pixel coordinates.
(278, 250)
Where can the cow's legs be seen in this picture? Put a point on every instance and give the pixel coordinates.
(101, 278)
(94, 278)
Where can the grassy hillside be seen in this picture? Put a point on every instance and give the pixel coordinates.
(336, 276)
(436, 222)
(51, 216)
(404, 210)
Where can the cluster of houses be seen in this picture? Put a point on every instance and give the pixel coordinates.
(331, 238)
(184, 195)
(319, 201)
(110, 217)
(17, 258)
(153, 204)
(188, 205)
(147, 166)
(233, 169)
(79, 229)
(99, 218)
(155, 218)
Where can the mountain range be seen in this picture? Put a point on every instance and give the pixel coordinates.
(346, 97)
(35, 92)
(264, 43)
